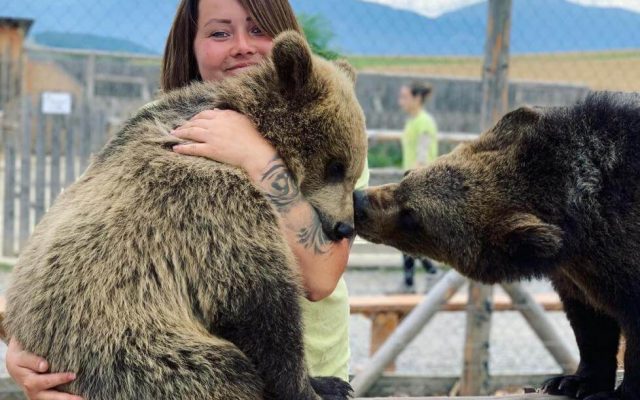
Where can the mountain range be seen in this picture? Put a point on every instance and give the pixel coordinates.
(360, 28)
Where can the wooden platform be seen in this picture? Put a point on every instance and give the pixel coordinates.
(405, 303)
(533, 396)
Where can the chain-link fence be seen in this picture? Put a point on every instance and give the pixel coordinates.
(71, 71)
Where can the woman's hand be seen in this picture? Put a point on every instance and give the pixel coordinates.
(228, 137)
(29, 372)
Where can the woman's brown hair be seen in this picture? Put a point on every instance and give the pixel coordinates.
(179, 66)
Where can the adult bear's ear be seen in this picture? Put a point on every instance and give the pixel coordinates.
(348, 69)
(292, 58)
(527, 241)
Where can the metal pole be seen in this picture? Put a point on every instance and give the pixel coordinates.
(537, 319)
(407, 331)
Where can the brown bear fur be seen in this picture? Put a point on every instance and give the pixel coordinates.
(163, 276)
(546, 192)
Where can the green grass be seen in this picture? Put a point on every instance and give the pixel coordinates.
(378, 61)
(412, 61)
(6, 267)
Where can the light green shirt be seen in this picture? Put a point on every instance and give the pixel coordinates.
(326, 325)
(419, 140)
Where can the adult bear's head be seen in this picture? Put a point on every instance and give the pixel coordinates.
(306, 106)
(486, 208)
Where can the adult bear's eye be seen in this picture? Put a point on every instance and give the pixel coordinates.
(335, 172)
(408, 221)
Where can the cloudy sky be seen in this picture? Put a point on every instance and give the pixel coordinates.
(433, 8)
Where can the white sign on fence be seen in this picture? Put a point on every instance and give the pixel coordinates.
(56, 103)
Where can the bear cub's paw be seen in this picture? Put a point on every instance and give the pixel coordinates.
(576, 386)
(331, 388)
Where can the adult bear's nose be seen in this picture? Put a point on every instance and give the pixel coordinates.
(343, 231)
(360, 204)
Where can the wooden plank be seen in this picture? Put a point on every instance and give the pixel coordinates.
(3, 310)
(41, 163)
(388, 135)
(54, 180)
(403, 304)
(9, 212)
(475, 368)
(529, 396)
(25, 174)
(84, 148)
(69, 154)
(8, 140)
(405, 386)
(383, 324)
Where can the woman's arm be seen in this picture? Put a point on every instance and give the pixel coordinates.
(29, 372)
(225, 136)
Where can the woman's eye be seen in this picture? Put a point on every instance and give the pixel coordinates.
(256, 31)
(219, 35)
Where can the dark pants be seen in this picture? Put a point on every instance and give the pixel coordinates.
(409, 264)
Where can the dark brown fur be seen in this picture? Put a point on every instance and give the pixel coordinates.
(162, 276)
(546, 192)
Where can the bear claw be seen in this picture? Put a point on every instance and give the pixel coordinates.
(579, 387)
(331, 388)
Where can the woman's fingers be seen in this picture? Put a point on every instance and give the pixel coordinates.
(18, 358)
(194, 134)
(197, 123)
(34, 384)
(53, 395)
(194, 149)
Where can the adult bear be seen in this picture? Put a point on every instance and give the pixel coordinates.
(162, 276)
(546, 192)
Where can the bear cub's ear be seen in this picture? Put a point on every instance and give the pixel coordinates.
(292, 58)
(527, 240)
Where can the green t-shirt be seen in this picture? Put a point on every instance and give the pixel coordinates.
(326, 325)
(419, 131)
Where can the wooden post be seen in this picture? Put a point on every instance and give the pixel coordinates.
(383, 324)
(495, 82)
(407, 331)
(495, 98)
(535, 315)
(475, 371)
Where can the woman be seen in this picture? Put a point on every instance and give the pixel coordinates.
(212, 40)
(419, 147)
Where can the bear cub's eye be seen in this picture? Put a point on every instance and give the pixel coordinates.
(335, 172)
(408, 221)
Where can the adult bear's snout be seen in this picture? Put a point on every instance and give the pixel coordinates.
(360, 205)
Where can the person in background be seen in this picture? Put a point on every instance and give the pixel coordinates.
(419, 147)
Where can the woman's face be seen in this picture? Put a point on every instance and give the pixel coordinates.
(228, 41)
(407, 101)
